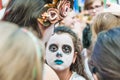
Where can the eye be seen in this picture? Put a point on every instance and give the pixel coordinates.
(90, 8)
(53, 48)
(97, 6)
(66, 49)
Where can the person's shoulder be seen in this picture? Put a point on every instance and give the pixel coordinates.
(75, 76)
(49, 73)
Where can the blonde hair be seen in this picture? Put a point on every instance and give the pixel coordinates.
(19, 58)
(102, 22)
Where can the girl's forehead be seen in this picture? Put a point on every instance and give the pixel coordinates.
(61, 35)
(60, 38)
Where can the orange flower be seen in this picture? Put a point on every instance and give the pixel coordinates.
(64, 8)
(53, 15)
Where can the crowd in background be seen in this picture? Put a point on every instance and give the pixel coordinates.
(59, 39)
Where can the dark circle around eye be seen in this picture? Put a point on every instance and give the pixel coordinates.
(66, 49)
(53, 47)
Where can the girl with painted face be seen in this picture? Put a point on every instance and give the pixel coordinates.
(63, 54)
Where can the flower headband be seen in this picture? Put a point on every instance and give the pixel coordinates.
(55, 12)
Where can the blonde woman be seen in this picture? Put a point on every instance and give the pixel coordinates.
(20, 54)
(104, 21)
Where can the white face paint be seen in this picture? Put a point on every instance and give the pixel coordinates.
(60, 51)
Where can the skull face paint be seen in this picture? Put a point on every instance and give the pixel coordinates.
(60, 51)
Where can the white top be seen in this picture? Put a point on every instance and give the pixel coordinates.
(75, 76)
(2, 13)
(86, 69)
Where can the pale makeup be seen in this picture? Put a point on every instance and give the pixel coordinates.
(60, 51)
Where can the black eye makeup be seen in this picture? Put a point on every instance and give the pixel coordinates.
(66, 49)
(53, 47)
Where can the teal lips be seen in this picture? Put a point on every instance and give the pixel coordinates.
(58, 62)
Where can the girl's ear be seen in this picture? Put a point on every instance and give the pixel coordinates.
(74, 57)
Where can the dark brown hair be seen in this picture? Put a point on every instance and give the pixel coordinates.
(24, 13)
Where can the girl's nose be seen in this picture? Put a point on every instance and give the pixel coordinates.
(59, 54)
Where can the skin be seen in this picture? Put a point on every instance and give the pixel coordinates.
(96, 7)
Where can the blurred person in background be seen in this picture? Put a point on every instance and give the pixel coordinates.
(91, 9)
(25, 13)
(93, 6)
(103, 22)
(53, 12)
(21, 54)
(104, 63)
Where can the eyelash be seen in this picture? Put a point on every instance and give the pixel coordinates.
(65, 48)
(53, 48)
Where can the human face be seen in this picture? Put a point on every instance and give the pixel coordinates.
(96, 7)
(60, 51)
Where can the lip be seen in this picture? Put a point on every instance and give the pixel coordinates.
(58, 62)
